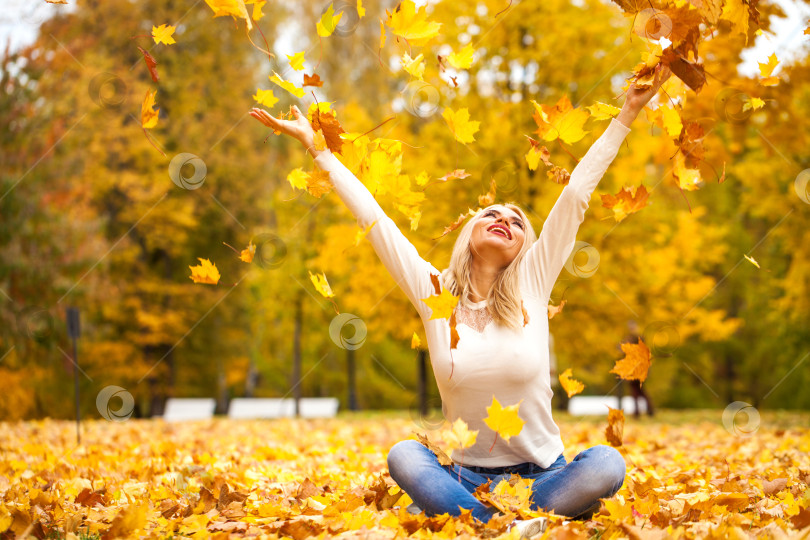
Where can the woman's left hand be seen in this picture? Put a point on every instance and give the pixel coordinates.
(636, 98)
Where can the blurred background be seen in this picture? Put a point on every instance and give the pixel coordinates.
(91, 218)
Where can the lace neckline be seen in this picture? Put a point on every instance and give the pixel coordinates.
(474, 305)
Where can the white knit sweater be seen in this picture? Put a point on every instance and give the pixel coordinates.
(512, 365)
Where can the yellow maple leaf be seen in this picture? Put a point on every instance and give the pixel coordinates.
(298, 178)
(205, 272)
(234, 8)
(462, 59)
(736, 12)
(459, 122)
(442, 305)
(257, 9)
(328, 22)
(751, 260)
(149, 117)
(752, 104)
(361, 11)
(603, 111)
(321, 285)
(412, 24)
(460, 436)
(766, 70)
(318, 140)
(265, 97)
(688, 179)
(571, 386)
(562, 121)
(362, 233)
(414, 66)
(286, 85)
(415, 341)
(248, 253)
(163, 34)
(504, 421)
(318, 183)
(635, 364)
(297, 61)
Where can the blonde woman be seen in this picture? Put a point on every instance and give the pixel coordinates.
(498, 268)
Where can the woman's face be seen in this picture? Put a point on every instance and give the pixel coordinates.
(497, 236)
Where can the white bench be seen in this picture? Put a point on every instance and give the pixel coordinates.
(182, 409)
(590, 405)
(310, 407)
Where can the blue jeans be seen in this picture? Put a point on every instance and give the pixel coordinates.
(569, 489)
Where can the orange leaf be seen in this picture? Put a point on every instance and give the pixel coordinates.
(635, 364)
(615, 428)
(151, 64)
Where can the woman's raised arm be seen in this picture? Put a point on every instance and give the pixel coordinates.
(397, 253)
(547, 256)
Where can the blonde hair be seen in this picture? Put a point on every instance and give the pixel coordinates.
(505, 303)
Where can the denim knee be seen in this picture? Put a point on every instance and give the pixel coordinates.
(402, 456)
(612, 468)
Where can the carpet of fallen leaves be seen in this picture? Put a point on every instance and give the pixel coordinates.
(688, 477)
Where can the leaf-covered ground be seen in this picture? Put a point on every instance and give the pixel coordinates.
(688, 477)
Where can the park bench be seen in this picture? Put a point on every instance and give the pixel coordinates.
(182, 409)
(310, 407)
(589, 405)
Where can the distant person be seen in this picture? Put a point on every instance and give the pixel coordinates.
(633, 336)
(498, 267)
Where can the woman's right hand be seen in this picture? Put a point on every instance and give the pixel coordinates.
(299, 128)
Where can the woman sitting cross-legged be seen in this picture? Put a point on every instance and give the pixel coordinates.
(498, 268)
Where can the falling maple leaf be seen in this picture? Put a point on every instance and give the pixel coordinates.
(265, 97)
(205, 272)
(488, 198)
(248, 253)
(234, 8)
(562, 121)
(286, 85)
(318, 183)
(151, 64)
(627, 201)
(313, 80)
(297, 61)
(149, 116)
(441, 305)
(635, 364)
(457, 223)
(163, 34)
(321, 285)
(504, 421)
(460, 124)
(555, 310)
(751, 260)
(415, 341)
(460, 435)
(614, 431)
(539, 153)
(412, 24)
(328, 22)
(571, 386)
(766, 70)
(462, 59)
(323, 118)
(603, 111)
(414, 66)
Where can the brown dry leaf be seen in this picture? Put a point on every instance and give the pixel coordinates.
(312, 80)
(151, 64)
(614, 431)
(444, 459)
(554, 310)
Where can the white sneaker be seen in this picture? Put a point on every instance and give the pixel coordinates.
(531, 527)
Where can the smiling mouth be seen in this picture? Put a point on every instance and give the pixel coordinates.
(497, 229)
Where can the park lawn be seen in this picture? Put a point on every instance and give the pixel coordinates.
(688, 476)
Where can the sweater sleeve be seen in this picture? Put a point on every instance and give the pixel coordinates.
(547, 256)
(399, 256)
